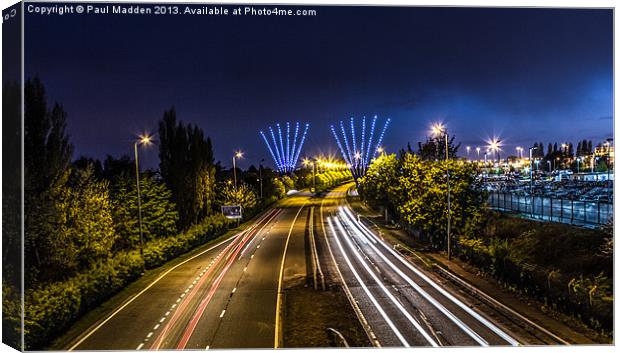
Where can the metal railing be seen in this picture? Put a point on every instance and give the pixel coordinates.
(581, 213)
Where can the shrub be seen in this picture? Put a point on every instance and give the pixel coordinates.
(49, 310)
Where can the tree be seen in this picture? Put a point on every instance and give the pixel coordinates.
(87, 212)
(186, 165)
(288, 182)
(377, 186)
(435, 148)
(242, 195)
(159, 215)
(46, 170)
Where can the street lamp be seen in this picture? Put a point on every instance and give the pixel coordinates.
(468, 148)
(531, 168)
(237, 155)
(380, 150)
(308, 162)
(439, 129)
(144, 140)
(578, 161)
(520, 152)
(608, 145)
(478, 151)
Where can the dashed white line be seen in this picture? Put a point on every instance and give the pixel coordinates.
(156, 327)
(140, 346)
(167, 313)
(162, 319)
(149, 335)
(234, 289)
(251, 257)
(245, 268)
(222, 314)
(173, 306)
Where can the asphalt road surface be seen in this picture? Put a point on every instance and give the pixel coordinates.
(225, 297)
(401, 303)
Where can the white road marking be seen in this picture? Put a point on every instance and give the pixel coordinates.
(162, 319)
(149, 335)
(147, 288)
(222, 314)
(140, 346)
(167, 313)
(366, 290)
(156, 327)
(234, 289)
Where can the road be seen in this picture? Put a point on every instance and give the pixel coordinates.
(401, 303)
(231, 295)
(225, 297)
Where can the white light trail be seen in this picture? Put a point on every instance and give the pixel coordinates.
(389, 294)
(449, 296)
(365, 288)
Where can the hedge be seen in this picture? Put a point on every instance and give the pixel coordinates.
(51, 309)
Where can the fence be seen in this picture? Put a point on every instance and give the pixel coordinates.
(581, 213)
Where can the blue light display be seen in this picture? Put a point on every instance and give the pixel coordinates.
(358, 159)
(286, 155)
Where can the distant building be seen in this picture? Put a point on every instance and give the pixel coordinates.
(605, 151)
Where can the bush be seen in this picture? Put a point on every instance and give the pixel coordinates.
(51, 309)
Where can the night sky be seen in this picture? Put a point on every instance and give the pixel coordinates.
(523, 75)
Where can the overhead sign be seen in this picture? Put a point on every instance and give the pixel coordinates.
(232, 212)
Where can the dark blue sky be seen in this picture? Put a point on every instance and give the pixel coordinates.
(522, 74)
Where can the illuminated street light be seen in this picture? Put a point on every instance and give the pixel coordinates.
(478, 151)
(146, 141)
(468, 148)
(520, 152)
(532, 178)
(439, 129)
(236, 156)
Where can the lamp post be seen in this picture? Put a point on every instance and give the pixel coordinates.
(531, 170)
(467, 148)
(578, 161)
(144, 140)
(608, 145)
(438, 130)
(308, 162)
(237, 154)
(478, 151)
(260, 176)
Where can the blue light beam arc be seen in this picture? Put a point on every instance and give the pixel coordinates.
(286, 155)
(359, 166)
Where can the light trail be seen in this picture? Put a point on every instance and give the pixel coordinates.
(389, 294)
(366, 290)
(446, 294)
(422, 292)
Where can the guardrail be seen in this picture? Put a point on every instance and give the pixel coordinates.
(580, 213)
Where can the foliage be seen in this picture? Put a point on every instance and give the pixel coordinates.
(186, 165)
(242, 195)
(434, 149)
(50, 309)
(279, 190)
(417, 191)
(159, 215)
(288, 182)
